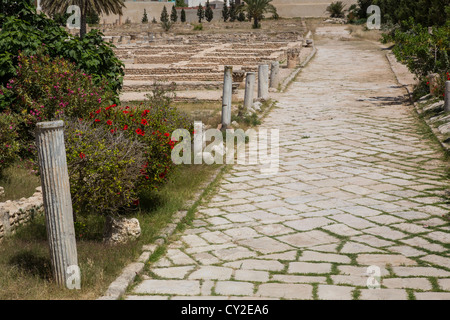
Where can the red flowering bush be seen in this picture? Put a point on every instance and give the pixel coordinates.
(152, 126)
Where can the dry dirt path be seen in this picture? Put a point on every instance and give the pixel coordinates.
(358, 189)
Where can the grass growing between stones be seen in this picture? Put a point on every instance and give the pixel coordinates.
(25, 268)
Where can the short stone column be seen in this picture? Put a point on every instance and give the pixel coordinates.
(263, 82)
(57, 203)
(292, 58)
(447, 97)
(274, 74)
(227, 96)
(249, 90)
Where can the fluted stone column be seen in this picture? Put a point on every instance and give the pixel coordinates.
(249, 90)
(227, 96)
(274, 74)
(57, 203)
(447, 97)
(263, 81)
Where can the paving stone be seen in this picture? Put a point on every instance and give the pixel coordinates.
(298, 279)
(251, 275)
(308, 239)
(360, 271)
(359, 281)
(206, 287)
(432, 295)
(308, 223)
(439, 236)
(233, 253)
(330, 292)
(439, 260)
(403, 283)
(179, 258)
(205, 258)
(193, 240)
(386, 233)
(407, 251)
(211, 273)
(410, 227)
(425, 244)
(240, 208)
(288, 255)
(383, 294)
(309, 267)
(265, 245)
(383, 260)
(354, 247)
(181, 287)
(353, 222)
(215, 237)
(235, 288)
(325, 257)
(444, 284)
(342, 230)
(273, 229)
(385, 219)
(241, 233)
(286, 291)
(420, 271)
(361, 211)
(173, 272)
(218, 221)
(253, 264)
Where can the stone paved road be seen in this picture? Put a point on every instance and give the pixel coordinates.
(358, 186)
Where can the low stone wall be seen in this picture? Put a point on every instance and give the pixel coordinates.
(16, 213)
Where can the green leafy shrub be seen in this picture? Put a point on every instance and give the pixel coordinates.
(28, 32)
(9, 142)
(151, 126)
(421, 51)
(104, 168)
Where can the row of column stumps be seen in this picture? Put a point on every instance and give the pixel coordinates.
(264, 82)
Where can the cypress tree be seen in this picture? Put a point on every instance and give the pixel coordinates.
(174, 14)
(183, 15)
(164, 15)
(209, 14)
(200, 13)
(225, 12)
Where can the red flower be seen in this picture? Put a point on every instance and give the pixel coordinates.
(125, 127)
(112, 130)
(97, 120)
(98, 111)
(140, 132)
(167, 134)
(109, 122)
(144, 122)
(82, 155)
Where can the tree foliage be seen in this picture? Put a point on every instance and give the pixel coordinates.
(29, 32)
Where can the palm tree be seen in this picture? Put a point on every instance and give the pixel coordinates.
(256, 8)
(52, 7)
